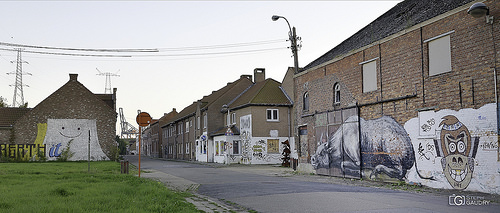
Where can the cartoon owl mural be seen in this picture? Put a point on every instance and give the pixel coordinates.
(458, 150)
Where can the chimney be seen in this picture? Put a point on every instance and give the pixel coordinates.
(73, 77)
(259, 74)
(247, 76)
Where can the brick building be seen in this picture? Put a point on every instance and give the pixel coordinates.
(68, 119)
(417, 86)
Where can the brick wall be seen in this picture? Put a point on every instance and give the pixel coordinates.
(405, 89)
(71, 101)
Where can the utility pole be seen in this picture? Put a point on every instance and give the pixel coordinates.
(108, 75)
(18, 99)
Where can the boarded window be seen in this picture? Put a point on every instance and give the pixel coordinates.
(370, 76)
(439, 56)
(273, 146)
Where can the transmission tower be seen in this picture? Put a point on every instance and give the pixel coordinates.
(18, 99)
(108, 80)
(127, 128)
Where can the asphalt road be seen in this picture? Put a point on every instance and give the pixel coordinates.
(275, 189)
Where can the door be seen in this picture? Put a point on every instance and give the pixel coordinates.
(338, 141)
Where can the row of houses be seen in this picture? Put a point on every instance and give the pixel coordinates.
(245, 122)
(412, 96)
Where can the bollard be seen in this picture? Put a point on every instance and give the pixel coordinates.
(124, 166)
(294, 163)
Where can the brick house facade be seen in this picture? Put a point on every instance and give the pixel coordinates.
(68, 119)
(401, 86)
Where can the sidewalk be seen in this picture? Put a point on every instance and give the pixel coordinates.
(208, 204)
(203, 203)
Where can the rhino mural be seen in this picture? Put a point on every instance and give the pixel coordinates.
(383, 144)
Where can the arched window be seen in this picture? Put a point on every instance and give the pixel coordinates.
(305, 101)
(336, 93)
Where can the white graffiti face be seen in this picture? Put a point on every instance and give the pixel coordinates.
(70, 131)
(73, 136)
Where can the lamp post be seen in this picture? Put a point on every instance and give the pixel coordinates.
(293, 40)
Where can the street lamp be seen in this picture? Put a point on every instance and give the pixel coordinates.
(479, 10)
(293, 40)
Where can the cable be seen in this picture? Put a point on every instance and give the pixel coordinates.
(67, 54)
(78, 49)
(222, 45)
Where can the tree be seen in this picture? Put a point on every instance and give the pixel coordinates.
(122, 145)
(3, 102)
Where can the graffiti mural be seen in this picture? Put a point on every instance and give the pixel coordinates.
(35, 151)
(73, 137)
(382, 144)
(458, 148)
(246, 137)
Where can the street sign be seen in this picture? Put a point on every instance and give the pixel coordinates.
(143, 119)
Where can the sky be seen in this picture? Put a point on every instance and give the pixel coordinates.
(200, 46)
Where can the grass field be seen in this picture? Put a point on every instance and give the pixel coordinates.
(69, 187)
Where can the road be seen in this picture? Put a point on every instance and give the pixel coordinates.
(275, 189)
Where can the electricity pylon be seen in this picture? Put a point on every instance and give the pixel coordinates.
(18, 99)
(108, 75)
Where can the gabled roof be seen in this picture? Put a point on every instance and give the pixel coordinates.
(219, 95)
(223, 95)
(71, 93)
(165, 119)
(402, 16)
(9, 115)
(264, 93)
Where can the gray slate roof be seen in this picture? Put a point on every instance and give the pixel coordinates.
(404, 15)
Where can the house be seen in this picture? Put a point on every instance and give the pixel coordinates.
(413, 96)
(187, 133)
(71, 120)
(204, 132)
(257, 122)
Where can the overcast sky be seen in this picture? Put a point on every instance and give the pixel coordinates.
(202, 45)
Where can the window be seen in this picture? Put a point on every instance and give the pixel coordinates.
(187, 148)
(439, 55)
(236, 147)
(198, 122)
(217, 148)
(369, 76)
(187, 127)
(272, 115)
(305, 101)
(336, 93)
(233, 118)
(273, 146)
(205, 121)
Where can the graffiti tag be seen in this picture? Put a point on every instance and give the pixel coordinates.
(428, 126)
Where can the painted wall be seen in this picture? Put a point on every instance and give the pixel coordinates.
(72, 135)
(443, 149)
(458, 149)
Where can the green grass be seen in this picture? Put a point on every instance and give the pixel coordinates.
(69, 187)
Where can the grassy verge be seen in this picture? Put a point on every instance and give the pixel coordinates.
(69, 187)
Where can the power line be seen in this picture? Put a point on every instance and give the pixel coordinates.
(66, 54)
(77, 49)
(219, 46)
